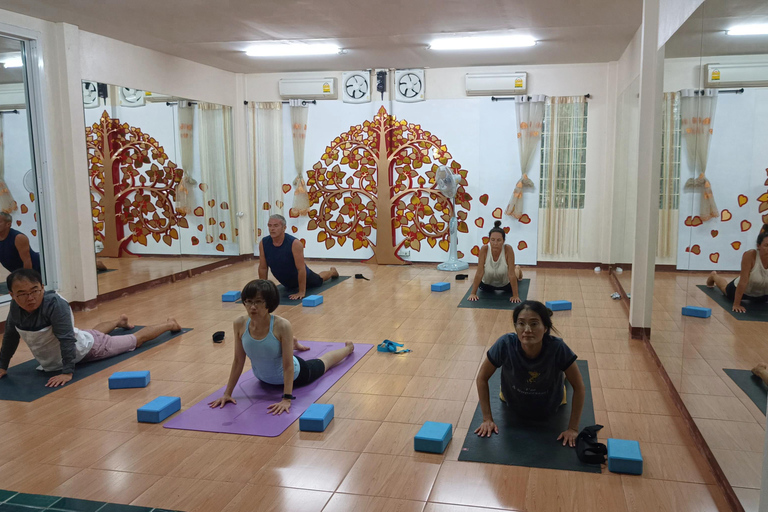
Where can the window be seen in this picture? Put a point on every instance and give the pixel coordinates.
(564, 157)
(671, 149)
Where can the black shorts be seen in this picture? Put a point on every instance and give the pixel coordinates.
(730, 292)
(309, 372)
(490, 288)
(313, 281)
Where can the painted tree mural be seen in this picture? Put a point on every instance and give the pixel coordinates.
(382, 173)
(133, 187)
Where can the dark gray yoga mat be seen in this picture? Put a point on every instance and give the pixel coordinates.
(284, 292)
(751, 385)
(99, 271)
(26, 384)
(523, 442)
(495, 300)
(756, 311)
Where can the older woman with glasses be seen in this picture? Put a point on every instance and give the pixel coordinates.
(44, 320)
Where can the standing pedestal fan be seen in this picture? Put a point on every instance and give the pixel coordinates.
(446, 183)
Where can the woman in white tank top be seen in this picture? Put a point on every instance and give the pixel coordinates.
(496, 269)
(752, 283)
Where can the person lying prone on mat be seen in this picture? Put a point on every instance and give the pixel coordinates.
(752, 283)
(268, 342)
(496, 269)
(44, 320)
(533, 367)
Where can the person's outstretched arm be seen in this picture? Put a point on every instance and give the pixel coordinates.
(263, 269)
(487, 427)
(573, 375)
(237, 366)
(284, 332)
(479, 273)
(22, 245)
(747, 262)
(301, 267)
(64, 330)
(510, 255)
(10, 344)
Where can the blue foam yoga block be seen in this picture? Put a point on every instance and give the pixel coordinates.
(441, 287)
(311, 301)
(559, 305)
(316, 418)
(230, 296)
(158, 409)
(433, 437)
(697, 311)
(624, 457)
(125, 380)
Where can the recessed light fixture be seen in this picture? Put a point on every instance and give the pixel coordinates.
(481, 42)
(748, 30)
(291, 49)
(14, 62)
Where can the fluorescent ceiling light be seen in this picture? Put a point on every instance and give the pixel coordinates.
(481, 42)
(291, 49)
(748, 30)
(14, 62)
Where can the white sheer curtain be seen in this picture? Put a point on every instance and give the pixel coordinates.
(299, 115)
(265, 146)
(530, 115)
(217, 171)
(698, 120)
(560, 212)
(670, 176)
(7, 204)
(185, 197)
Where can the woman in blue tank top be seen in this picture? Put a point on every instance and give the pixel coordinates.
(267, 340)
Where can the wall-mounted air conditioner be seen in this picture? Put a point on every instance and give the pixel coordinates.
(736, 75)
(496, 84)
(308, 88)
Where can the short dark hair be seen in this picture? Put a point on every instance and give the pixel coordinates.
(762, 235)
(497, 229)
(28, 274)
(540, 309)
(264, 289)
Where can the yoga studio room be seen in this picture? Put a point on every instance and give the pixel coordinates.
(408, 256)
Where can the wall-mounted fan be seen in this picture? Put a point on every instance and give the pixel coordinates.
(29, 182)
(131, 97)
(409, 85)
(356, 86)
(90, 95)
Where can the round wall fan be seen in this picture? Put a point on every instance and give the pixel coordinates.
(409, 85)
(356, 86)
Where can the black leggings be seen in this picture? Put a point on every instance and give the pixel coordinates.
(730, 292)
(309, 371)
(490, 288)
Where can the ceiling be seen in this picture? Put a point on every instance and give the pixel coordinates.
(383, 34)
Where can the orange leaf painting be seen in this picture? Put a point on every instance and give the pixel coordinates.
(714, 233)
(497, 213)
(211, 221)
(286, 188)
(237, 231)
(525, 219)
(224, 206)
(199, 211)
(24, 208)
(294, 229)
(696, 250)
(693, 221)
(736, 245)
(279, 203)
(203, 187)
(714, 257)
(199, 227)
(223, 237)
(34, 232)
(745, 225)
(459, 254)
(522, 245)
(475, 251)
(293, 213)
(208, 239)
(220, 248)
(742, 200)
(725, 215)
(265, 206)
(506, 229)
(222, 224)
(444, 245)
(484, 199)
(687, 249)
(486, 240)
(303, 242)
(211, 203)
(18, 223)
(195, 241)
(479, 222)
(32, 197)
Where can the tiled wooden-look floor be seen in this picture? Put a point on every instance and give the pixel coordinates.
(694, 352)
(132, 271)
(84, 442)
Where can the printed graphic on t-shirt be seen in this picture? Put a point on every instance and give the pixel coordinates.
(532, 376)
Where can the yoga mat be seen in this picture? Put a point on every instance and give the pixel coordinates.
(751, 385)
(495, 300)
(284, 292)
(523, 442)
(26, 384)
(249, 416)
(3, 288)
(756, 311)
(98, 271)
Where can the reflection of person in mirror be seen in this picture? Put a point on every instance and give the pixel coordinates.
(752, 283)
(496, 269)
(284, 255)
(15, 252)
(44, 320)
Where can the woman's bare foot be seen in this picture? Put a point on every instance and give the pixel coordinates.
(711, 279)
(174, 325)
(123, 322)
(334, 273)
(298, 346)
(350, 346)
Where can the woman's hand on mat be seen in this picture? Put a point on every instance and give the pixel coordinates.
(280, 407)
(297, 296)
(487, 428)
(473, 297)
(59, 380)
(739, 309)
(569, 437)
(2, 373)
(514, 298)
(221, 402)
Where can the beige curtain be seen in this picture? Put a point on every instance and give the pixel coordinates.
(217, 171)
(670, 176)
(265, 147)
(698, 121)
(185, 197)
(530, 115)
(562, 162)
(7, 204)
(299, 115)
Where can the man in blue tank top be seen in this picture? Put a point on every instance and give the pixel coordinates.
(15, 252)
(283, 254)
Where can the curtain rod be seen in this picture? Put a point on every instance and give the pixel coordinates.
(170, 103)
(304, 103)
(9, 111)
(512, 98)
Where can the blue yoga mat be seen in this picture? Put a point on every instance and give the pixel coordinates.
(26, 384)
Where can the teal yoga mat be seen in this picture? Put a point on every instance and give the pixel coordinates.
(495, 300)
(26, 384)
(751, 385)
(756, 311)
(522, 442)
(284, 292)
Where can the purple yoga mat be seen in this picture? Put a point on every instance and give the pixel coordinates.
(249, 416)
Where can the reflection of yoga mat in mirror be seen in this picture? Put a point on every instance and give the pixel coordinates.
(751, 385)
(285, 293)
(104, 271)
(24, 383)
(249, 416)
(495, 300)
(3, 288)
(756, 311)
(529, 443)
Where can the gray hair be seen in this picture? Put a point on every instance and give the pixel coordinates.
(6, 216)
(278, 217)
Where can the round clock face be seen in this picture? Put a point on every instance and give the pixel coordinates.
(356, 87)
(132, 95)
(90, 93)
(409, 85)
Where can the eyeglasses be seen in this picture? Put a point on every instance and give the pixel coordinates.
(25, 296)
(250, 303)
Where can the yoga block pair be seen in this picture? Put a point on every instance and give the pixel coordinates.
(316, 418)
(697, 311)
(230, 297)
(433, 437)
(559, 305)
(441, 287)
(126, 380)
(311, 301)
(624, 457)
(158, 409)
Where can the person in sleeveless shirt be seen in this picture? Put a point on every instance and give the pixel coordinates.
(268, 341)
(496, 269)
(752, 283)
(15, 252)
(283, 254)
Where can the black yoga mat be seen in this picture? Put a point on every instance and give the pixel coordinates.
(522, 442)
(495, 300)
(756, 311)
(26, 384)
(104, 271)
(3, 288)
(751, 385)
(284, 292)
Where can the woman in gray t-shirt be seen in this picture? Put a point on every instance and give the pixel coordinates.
(534, 365)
